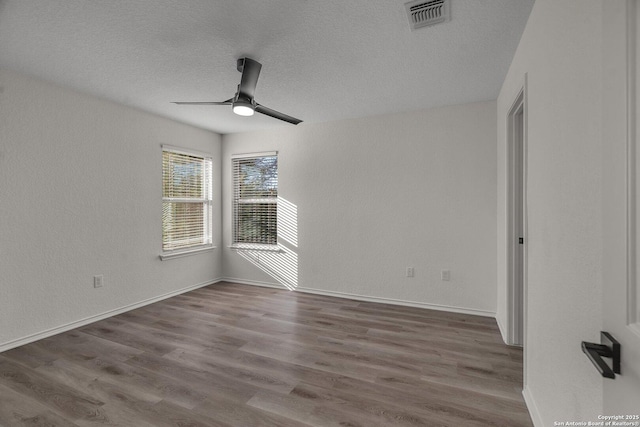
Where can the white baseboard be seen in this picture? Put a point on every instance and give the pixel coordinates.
(82, 322)
(532, 407)
(503, 331)
(252, 283)
(367, 298)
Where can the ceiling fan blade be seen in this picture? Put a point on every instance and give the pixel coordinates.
(227, 102)
(276, 114)
(250, 70)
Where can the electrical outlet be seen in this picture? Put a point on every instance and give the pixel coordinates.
(410, 272)
(445, 275)
(98, 281)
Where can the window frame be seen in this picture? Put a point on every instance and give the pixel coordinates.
(236, 202)
(206, 201)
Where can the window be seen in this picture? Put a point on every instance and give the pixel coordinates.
(186, 200)
(255, 199)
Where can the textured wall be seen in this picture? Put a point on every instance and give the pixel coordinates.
(561, 53)
(80, 195)
(376, 195)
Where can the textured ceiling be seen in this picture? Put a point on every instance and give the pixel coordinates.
(321, 60)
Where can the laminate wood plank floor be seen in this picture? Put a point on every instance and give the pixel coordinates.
(237, 355)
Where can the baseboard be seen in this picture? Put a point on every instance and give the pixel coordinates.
(82, 322)
(252, 283)
(532, 407)
(503, 331)
(367, 298)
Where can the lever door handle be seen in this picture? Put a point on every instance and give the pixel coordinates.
(610, 348)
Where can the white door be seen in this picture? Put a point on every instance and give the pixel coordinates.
(621, 207)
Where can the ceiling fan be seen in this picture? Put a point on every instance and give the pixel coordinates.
(243, 102)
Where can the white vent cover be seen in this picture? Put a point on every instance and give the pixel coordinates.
(423, 13)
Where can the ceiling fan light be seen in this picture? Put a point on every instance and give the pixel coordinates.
(243, 109)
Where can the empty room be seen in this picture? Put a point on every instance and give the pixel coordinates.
(297, 213)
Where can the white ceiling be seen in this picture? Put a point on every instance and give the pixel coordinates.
(321, 60)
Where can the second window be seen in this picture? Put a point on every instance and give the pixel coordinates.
(255, 199)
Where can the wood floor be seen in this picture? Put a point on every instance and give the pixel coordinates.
(237, 355)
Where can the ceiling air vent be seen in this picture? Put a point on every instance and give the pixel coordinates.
(423, 13)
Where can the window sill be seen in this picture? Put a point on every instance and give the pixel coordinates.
(261, 248)
(187, 252)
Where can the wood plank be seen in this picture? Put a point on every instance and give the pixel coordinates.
(16, 409)
(67, 401)
(234, 355)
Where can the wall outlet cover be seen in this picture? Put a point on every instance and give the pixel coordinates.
(98, 281)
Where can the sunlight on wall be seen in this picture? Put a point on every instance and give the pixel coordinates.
(282, 264)
(288, 221)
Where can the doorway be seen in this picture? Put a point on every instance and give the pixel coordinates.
(516, 244)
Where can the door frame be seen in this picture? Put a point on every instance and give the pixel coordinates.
(516, 181)
(621, 201)
(632, 160)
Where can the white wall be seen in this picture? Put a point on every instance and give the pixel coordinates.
(80, 195)
(379, 194)
(560, 51)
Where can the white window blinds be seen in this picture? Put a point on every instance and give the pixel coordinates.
(186, 199)
(255, 199)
